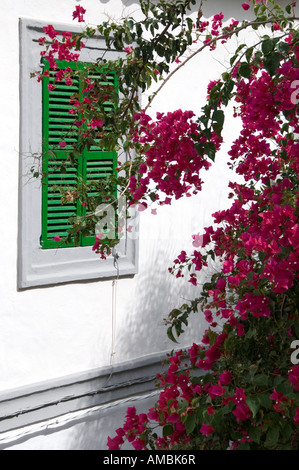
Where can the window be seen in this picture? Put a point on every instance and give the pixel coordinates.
(93, 165)
(43, 116)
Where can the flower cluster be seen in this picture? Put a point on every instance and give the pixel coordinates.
(60, 50)
(133, 427)
(257, 237)
(79, 13)
(171, 162)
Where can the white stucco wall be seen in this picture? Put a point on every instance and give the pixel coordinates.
(50, 332)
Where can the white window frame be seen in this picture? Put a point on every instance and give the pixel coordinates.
(37, 266)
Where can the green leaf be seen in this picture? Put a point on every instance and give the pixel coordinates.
(248, 54)
(225, 76)
(210, 150)
(283, 47)
(261, 379)
(253, 404)
(267, 46)
(217, 128)
(244, 70)
(130, 24)
(160, 50)
(167, 430)
(190, 423)
(272, 437)
(170, 335)
(244, 446)
(255, 434)
(218, 116)
(271, 62)
(286, 431)
(251, 332)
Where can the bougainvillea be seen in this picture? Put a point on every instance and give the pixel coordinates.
(238, 388)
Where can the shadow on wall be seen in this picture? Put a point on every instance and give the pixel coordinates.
(141, 330)
(156, 294)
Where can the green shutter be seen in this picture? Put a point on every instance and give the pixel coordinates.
(55, 214)
(97, 165)
(94, 164)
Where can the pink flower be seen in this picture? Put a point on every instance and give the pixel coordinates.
(78, 13)
(245, 6)
(68, 81)
(242, 412)
(197, 240)
(51, 87)
(228, 266)
(62, 144)
(167, 200)
(49, 30)
(56, 238)
(206, 429)
(296, 418)
(240, 329)
(208, 315)
(225, 377)
(216, 391)
(182, 256)
(96, 123)
(128, 49)
(96, 245)
(98, 237)
(193, 279)
(138, 444)
(278, 397)
(142, 168)
(142, 206)
(294, 377)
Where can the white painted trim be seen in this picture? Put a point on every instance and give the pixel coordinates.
(57, 404)
(38, 267)
(66, 421)
(41, 402)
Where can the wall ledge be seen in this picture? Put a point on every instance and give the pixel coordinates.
(45, 401)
